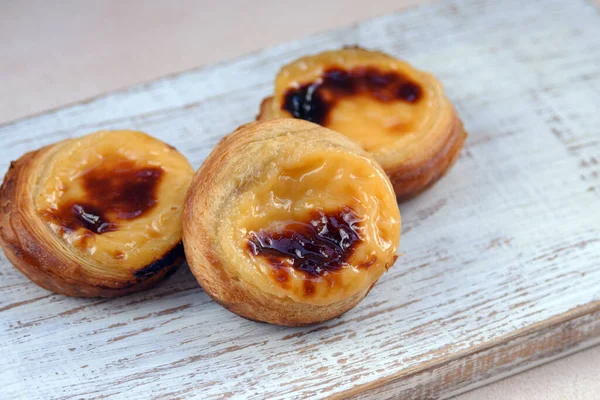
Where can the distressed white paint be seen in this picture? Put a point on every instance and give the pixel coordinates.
(505, 244)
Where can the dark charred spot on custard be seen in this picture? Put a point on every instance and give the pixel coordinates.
(171, 260)
(113, 190)
(316, 247)
(313, 101)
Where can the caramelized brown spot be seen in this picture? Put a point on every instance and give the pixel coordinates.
(317, 246)
(85, 239)
(309, 288)
(313, 101)
(281, 276)
(114, 190)
(171, 260)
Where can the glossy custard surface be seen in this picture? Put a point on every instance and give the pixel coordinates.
(375, 99)
(115, 189)
(319, 227)
(321, 244)
(115, 197)
(314, 101)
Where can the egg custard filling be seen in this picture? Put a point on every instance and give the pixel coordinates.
(115, 199)
(374, 99)
(319, 228)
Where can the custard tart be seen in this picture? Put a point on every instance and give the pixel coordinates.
(289, 223)
(397, 113)
(95, 216)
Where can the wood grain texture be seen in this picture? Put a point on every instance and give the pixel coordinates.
(501, 258)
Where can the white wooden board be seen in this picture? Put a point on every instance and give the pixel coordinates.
(501, 265)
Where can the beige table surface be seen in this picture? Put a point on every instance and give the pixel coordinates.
(56, 53)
